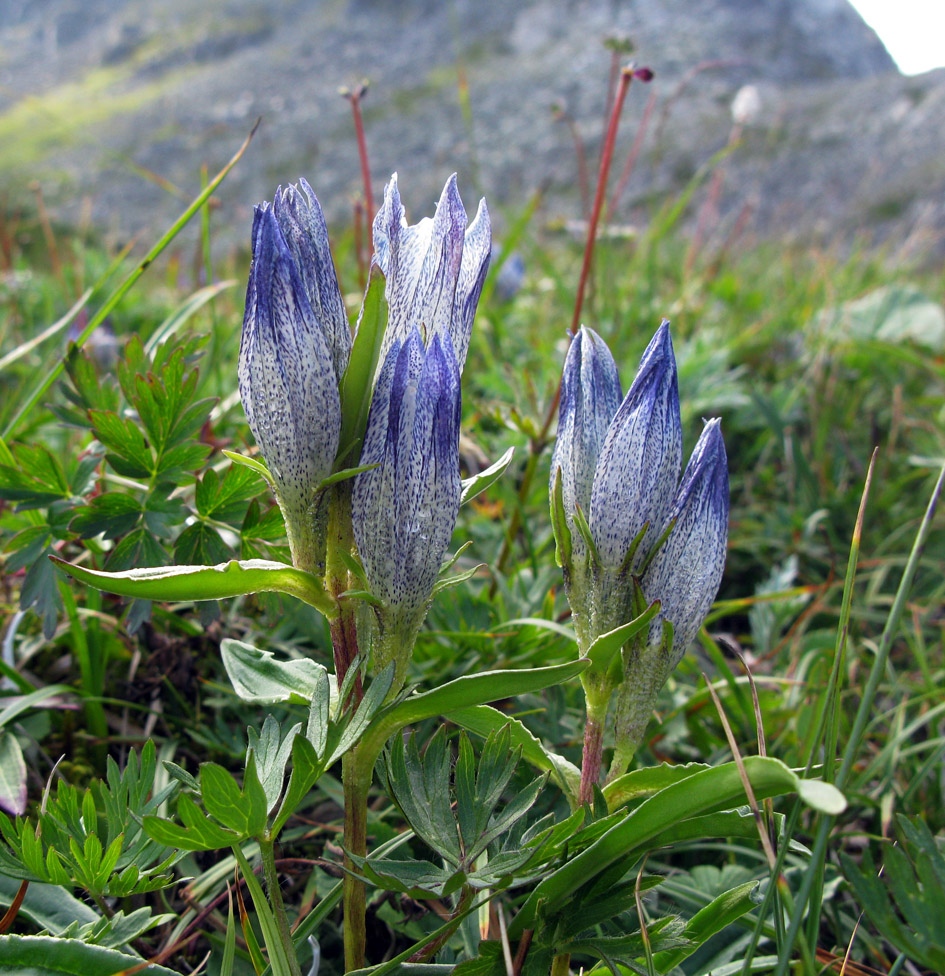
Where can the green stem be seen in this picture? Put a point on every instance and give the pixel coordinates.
(561, 964)
(267, 851)
(356, 778)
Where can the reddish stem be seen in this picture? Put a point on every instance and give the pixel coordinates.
(631, 157)
(626, 76)
(591, 760)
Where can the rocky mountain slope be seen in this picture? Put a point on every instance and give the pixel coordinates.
(100, 98)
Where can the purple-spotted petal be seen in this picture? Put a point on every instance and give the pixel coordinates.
(686, 572)
(590, 395)
(639, 463)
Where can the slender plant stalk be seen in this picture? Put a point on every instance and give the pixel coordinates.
(267, 852)
(356, 781)
(593, 752)
(561, 964)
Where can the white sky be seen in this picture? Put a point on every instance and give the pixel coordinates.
(912, 30)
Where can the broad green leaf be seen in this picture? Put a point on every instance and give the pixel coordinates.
(44, 955)
(708, 791)
(191, 583)
(478, 483)
(476, 689)
(644, 782)
(12, 774)
(113, 514)
(259, 677)
(357, 385)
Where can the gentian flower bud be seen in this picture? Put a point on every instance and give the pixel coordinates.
(590, 395)
(434, 270)
(686, 571)
(684, 576)
(294, 348)
(639, 463)
(404, 510)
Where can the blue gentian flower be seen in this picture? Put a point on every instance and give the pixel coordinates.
(434, 269)
(686, 571)
(404, 509)
(639, 463)
(294, 349)
(590, 395)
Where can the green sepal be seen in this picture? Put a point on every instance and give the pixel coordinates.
(357, 385)
(193, 583)
(602, 650)
(252, 463)
(345, 474)
(559, 524)
(478, 483)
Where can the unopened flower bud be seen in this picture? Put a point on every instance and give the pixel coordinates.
(294, 348)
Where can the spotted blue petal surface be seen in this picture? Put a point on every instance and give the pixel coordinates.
(292, 346)
(686, 572)
(434, 269)
(639, 464)
(590, 395)
(404, 510)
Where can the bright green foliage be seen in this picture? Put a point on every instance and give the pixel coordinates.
(92, 839)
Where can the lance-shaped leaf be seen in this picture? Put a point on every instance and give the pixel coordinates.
(640, 460)
(192, 583)
(434, 269)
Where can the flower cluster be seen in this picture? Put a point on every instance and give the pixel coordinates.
(630, 533)
(295, 349)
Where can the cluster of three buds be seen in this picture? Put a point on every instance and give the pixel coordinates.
(629, 533)
(295, 350)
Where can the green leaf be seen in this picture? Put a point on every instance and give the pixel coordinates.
(254, 464)
(130, 455)
(201, 544)
(708, 791)
(604, 647)
(241, 810)
(475, 689)
(12, 774)
(478, 483)
(357, 385)
(225, 498)
(271, 751)
(258, 677)
(306, 768)
(198, 833)
(721, 911)
(191, 583)
(43, 955)
(111, 514)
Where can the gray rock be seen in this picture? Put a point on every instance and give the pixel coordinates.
(93, 93)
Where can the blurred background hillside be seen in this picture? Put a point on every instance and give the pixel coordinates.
(113, 106)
